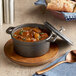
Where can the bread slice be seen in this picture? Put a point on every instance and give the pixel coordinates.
(61, 5)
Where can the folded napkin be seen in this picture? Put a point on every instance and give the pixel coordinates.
(67, 16)
(65, 69)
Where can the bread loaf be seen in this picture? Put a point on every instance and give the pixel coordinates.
(61, 5)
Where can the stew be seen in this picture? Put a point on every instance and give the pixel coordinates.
(30, 34)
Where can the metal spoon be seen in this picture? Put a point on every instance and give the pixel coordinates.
(70, 58)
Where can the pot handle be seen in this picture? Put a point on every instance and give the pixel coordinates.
(52, 38)
(9, 30)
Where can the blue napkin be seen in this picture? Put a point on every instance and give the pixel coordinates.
(67, 16)
(41, 2)
(65, 69)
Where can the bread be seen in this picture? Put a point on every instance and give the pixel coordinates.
(61, 5)
(74, 9)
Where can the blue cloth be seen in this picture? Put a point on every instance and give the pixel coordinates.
(40, 2)
(67, 16)
(65, 69)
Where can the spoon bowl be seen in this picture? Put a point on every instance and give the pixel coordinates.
(70, 58)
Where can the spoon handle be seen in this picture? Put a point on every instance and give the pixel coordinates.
(49, 68)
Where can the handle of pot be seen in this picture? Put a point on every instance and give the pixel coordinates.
(9, 30)
(52, 38)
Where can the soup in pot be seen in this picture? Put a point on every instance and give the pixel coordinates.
(30, 34)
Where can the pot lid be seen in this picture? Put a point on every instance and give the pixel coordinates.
(58, 33)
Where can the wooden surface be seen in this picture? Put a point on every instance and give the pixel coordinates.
(27, 12)
(36, 61)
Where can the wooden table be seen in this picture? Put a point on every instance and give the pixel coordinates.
(27, 12)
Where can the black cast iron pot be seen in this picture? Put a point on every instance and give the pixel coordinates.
(30, 49)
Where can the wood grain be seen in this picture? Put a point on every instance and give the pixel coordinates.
(48, 57)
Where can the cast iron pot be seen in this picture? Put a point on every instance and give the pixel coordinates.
(30, 49)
